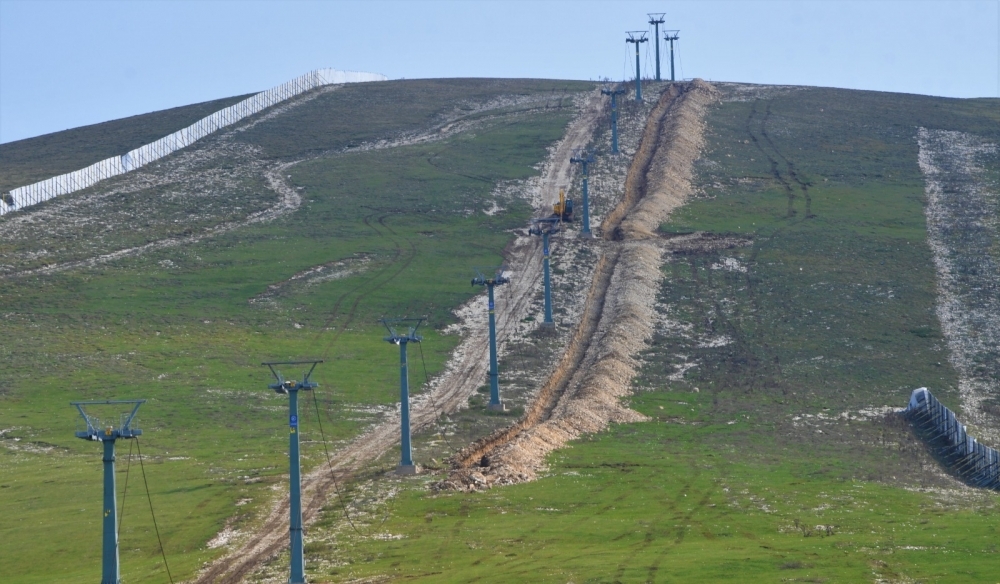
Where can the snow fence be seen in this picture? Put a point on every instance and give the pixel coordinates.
(975, 464)
(71, 182)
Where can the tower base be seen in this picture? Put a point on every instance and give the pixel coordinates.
(587, 235)
(547, 325)
(406, 469)
(500, 407)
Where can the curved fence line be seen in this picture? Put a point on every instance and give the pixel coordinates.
(975, 464)
(86, 177)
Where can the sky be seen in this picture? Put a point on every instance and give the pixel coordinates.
(69, 64)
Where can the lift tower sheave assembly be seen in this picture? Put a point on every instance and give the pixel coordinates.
(545, 228)
(584, 158)
(498, 279)
(636, 37)
(108, 433)
(406, 465)
(671, 35)
(656, 19)
(614, 93)
(297, 569)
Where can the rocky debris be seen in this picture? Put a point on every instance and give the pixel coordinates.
(963, 232)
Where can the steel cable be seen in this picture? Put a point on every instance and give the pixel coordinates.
(121, 511)
(150, 499)
(336, 486)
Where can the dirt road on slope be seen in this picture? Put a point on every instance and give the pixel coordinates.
(583, 393)
(448, 393)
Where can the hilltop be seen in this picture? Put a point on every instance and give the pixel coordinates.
(791, 274)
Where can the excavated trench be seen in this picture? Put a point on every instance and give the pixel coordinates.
(583, 392)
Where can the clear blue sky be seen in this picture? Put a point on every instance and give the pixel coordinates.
(67, 64)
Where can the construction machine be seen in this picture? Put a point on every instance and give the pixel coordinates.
(563, 210)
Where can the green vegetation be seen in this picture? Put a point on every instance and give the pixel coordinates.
(769, 455)
(660, 501)
(187, 327)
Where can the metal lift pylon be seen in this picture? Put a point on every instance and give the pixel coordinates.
(498, 279)
(545, 228)
(637, 37)
(108, 434)
(297, 561)
(584, 159)
(614, 93)
(406, 466)
(656, 19)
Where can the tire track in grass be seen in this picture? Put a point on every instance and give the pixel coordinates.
(787, 186)
(789, 165)
(373, 283)
(334, 311)
(751, 284)
(650, 536)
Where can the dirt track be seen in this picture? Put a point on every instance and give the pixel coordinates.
(450, 392)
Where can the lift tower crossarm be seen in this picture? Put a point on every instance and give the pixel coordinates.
(636, 37)
(297, 562)
(614, 93)
(406, 465)
(656, 19)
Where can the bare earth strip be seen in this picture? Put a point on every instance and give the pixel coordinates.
(464, 373)
(584, 392)
(963, 212)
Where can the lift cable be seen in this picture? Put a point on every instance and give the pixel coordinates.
(150, 499)
(121, 512)
(336, 486)
(434, 403)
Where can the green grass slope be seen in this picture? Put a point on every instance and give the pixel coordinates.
(186, 327)
(768, 455)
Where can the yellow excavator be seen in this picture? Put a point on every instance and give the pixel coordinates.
(564, 208)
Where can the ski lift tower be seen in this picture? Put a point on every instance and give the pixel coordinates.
(498, 279)
(297, 569)
(637, 37)
(545, 228)
(671, 35)
(584, 158)
(656, 19)
(406, 465)
(107, 432)
(614, 93)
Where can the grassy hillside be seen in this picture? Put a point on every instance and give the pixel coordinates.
(768, 455)
(23, 162)
(389, 231)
